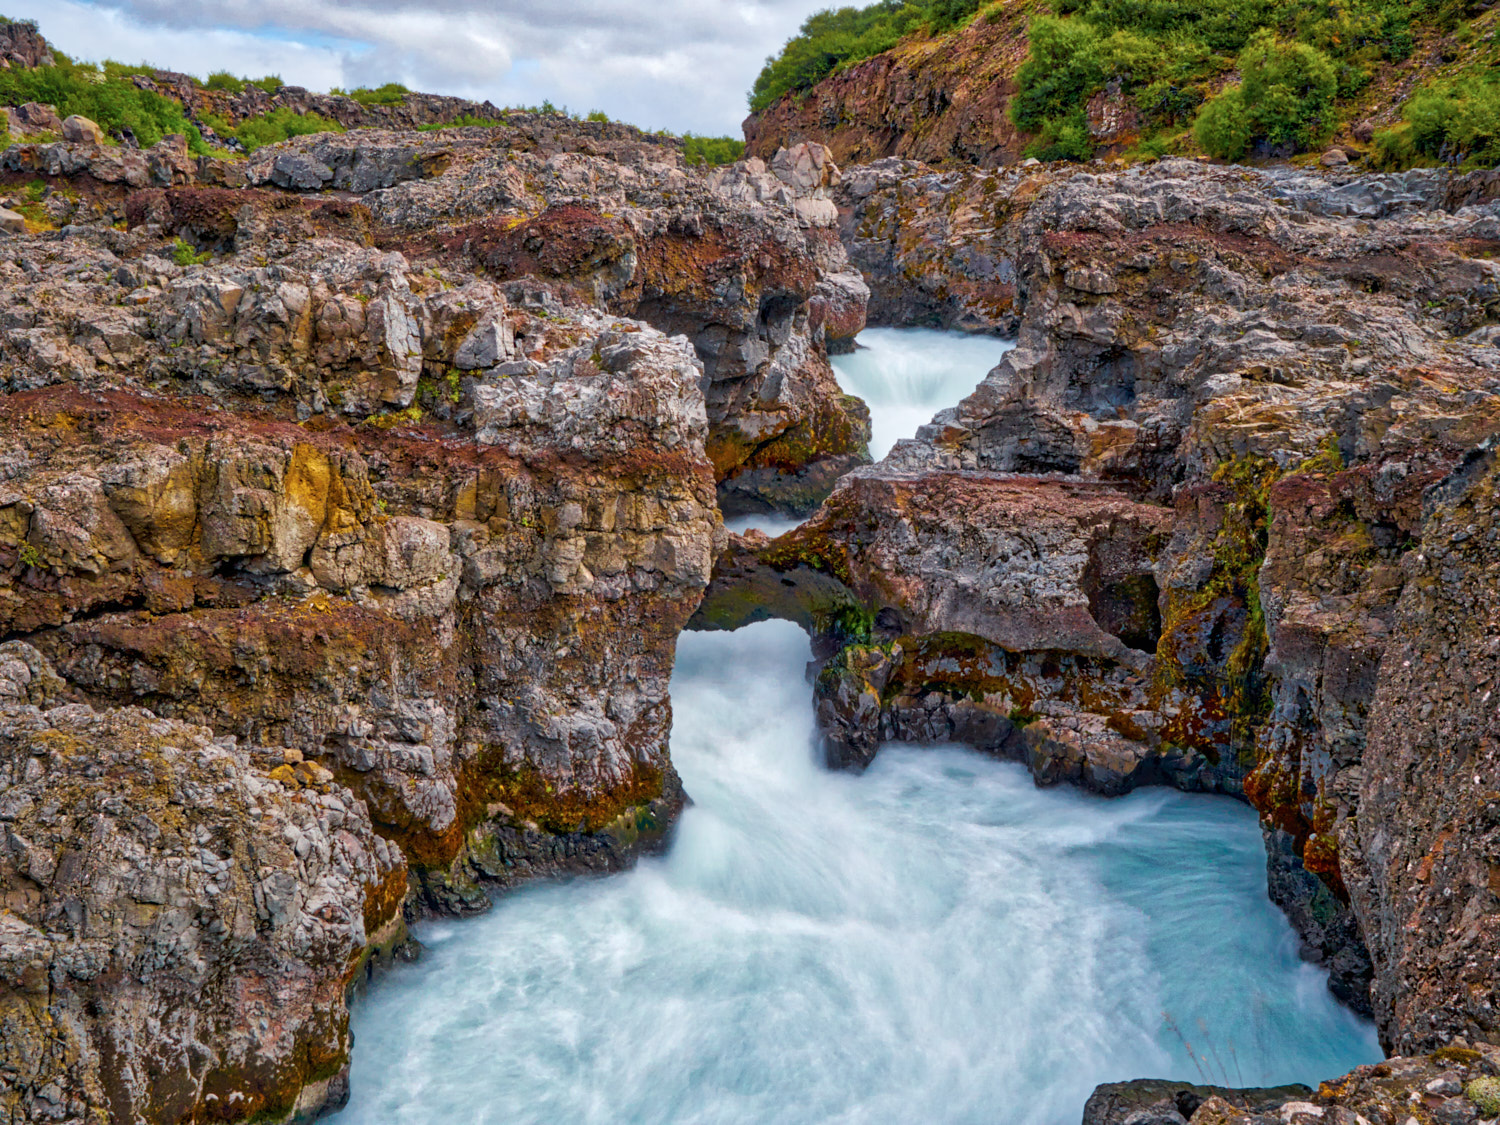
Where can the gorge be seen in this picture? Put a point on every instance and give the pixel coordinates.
(440, 518)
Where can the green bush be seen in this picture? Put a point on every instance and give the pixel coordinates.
(279, 125)
(1065, 67)
(712, 150)
(462, 121)
(1284, 101)
(1065, 139)
(115, 103)
(598, 115)
(392, 93)
(223, 80)
(1457, 123)
(184, 254)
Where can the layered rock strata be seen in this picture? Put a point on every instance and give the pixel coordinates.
(1274, 374)
(400, 547)
(748, 266)
(181, 921)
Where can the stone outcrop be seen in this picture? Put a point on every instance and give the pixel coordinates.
(22, 45)
(748, 266)
(931, 99)
(1418, 825)
(181, 921)
(1455, 1085)
(395, 543)
(1278, 371)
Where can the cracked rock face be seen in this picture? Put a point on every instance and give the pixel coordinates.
(317, 533)
(1289, 378)
(180, 923)
(757, 279)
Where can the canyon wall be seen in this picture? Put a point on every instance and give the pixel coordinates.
(351, 506)
(1174, 535)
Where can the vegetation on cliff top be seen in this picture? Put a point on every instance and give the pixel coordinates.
(1235, 78)
(107, 94)
(834, 38)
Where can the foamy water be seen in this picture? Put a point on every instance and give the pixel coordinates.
(905, 376)
(935, 940)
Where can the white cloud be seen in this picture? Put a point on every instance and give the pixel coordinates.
(678, 64)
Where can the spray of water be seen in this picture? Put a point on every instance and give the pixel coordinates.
(934, 940)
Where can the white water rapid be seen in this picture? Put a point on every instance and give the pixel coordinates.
(934, 941)
(905, 376)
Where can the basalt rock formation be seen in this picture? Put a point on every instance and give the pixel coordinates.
(752, 270)
(400, 547)
(1455, 1085)
(1229, 488)
(930, 99)
(180, 923)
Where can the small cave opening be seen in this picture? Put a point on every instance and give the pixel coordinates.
(1126, 606)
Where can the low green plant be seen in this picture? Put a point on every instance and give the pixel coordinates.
(103, 93)
(711, 150)
(1284, 102)
(392, 93)
(463, 121)
(223, 80)
(1485, 1094)
(185, 254)
(30, 556)
(281, 124)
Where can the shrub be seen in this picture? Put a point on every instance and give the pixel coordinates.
(1283, 103)
(598, 115)
(1066, 139)
(184, 254)
(462, 121)
(116, 103)
(712, 150)
(1064, 68)
(1456, 123)
(392, 93)
(223, 80)
(281, 124)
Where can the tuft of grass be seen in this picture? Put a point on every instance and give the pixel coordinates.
(184, 254)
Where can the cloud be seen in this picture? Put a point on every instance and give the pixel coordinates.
(678, 64)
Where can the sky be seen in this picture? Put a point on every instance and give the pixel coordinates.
(674, 64)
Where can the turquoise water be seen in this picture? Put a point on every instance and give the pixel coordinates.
(935, 940)
(906, 375)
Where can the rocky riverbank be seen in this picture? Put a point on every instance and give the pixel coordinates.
(1177, 534)
(352, 504)
(353, 497)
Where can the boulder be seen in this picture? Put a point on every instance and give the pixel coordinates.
(1334, 158)
(30, 119)
(11, 223)
(80, 130)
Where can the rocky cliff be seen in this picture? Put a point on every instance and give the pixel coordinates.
(1179, 535)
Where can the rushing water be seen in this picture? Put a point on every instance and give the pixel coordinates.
(905, 376)
(935, 940)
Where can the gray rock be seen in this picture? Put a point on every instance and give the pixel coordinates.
(80, 130)
(300, 172)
